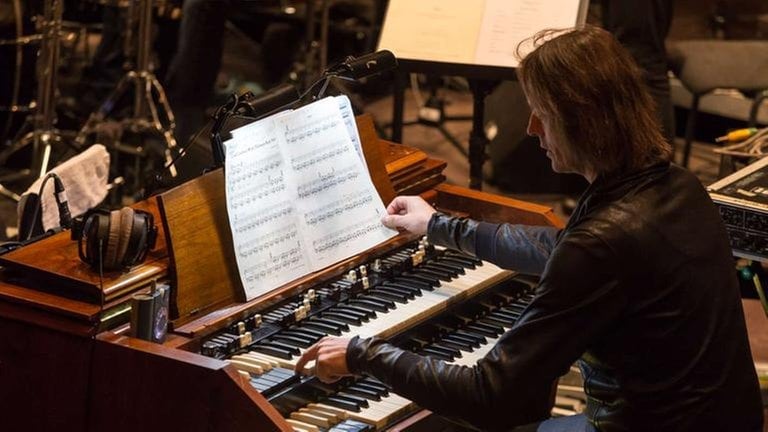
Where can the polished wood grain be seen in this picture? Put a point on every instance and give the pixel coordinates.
(54, 262)
(141, 386)
(494, 208)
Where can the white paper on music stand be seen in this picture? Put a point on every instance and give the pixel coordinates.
(475, 32)
(299, 197)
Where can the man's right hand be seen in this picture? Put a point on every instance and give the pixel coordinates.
(410, 213)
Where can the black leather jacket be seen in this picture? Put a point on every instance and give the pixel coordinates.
(639, 287)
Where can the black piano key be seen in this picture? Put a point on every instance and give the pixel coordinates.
(341, 316)
(363, 392)
(374, 306)
(281, 345)
(413, 283)
(273, 351)
(459, 255)
(341, 403)
(493, 320)
(360, 401)
(291, 340)
(460, 345)
(363, 316)
(467, 264)
(399, 291)
(370, 313)
(432, 281)
(383, 295)
(294, 340)
(381, 390)
(304, 332)
(344, 327)
(438, 269)
(477, 338)
(389, 304)
(327, 328)
(506, 315)
(431, 352)
(402, 287)
(455, 353)
(373, 381)
(483, 329)
(455, 269)
(437, 274)
(460, 339)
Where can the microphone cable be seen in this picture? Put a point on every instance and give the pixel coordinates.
(65, 218)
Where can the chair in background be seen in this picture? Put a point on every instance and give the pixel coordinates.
(705, 65)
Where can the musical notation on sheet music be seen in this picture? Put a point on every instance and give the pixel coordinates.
(346, 235)
(340, 207)
(307, 185)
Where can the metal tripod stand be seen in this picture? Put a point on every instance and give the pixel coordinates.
(43, 135)
(145, 111)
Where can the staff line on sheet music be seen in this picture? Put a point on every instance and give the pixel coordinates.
(246, 173)
(260, 191)
(330, 151)
(324, 183)
(269, 214)
(347, 234)
(268, 241)
(267, 267)
(252, 146)
(338, 208)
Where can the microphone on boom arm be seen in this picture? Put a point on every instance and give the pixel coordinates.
(286, 95)
(357, 68)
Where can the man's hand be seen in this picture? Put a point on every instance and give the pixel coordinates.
(330, 356)
(410, 213)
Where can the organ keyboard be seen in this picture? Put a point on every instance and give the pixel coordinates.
(67, 362)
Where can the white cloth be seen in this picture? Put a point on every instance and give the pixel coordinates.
(85, 183)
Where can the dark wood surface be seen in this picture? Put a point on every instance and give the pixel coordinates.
(44, 377)
(54, 262)
(141, 386)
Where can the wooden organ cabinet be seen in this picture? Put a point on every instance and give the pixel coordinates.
(68, 364)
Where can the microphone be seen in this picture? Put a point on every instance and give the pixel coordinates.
(367, 65)
(65, 217)
(272, 100)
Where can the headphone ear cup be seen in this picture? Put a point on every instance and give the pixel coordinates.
(124, 239)
(113, 237)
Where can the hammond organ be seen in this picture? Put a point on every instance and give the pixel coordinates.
(67, 362)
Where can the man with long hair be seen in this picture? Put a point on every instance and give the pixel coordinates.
(639, 288)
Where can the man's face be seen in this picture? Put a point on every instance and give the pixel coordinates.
(557, 149)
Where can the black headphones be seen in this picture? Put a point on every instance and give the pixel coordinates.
(114, 240)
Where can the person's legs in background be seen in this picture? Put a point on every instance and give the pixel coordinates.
(193, 70)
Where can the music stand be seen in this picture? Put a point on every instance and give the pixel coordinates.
(403, 35)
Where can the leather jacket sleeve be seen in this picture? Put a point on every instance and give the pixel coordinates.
(577, 297)
(522, 248)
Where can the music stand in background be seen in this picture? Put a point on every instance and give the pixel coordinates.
(472, 39)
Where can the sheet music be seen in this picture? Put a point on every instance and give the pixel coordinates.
(480, 32)
(299, 196)
(268, 244)
(507, 23)
(433, 30)
(329, 174)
